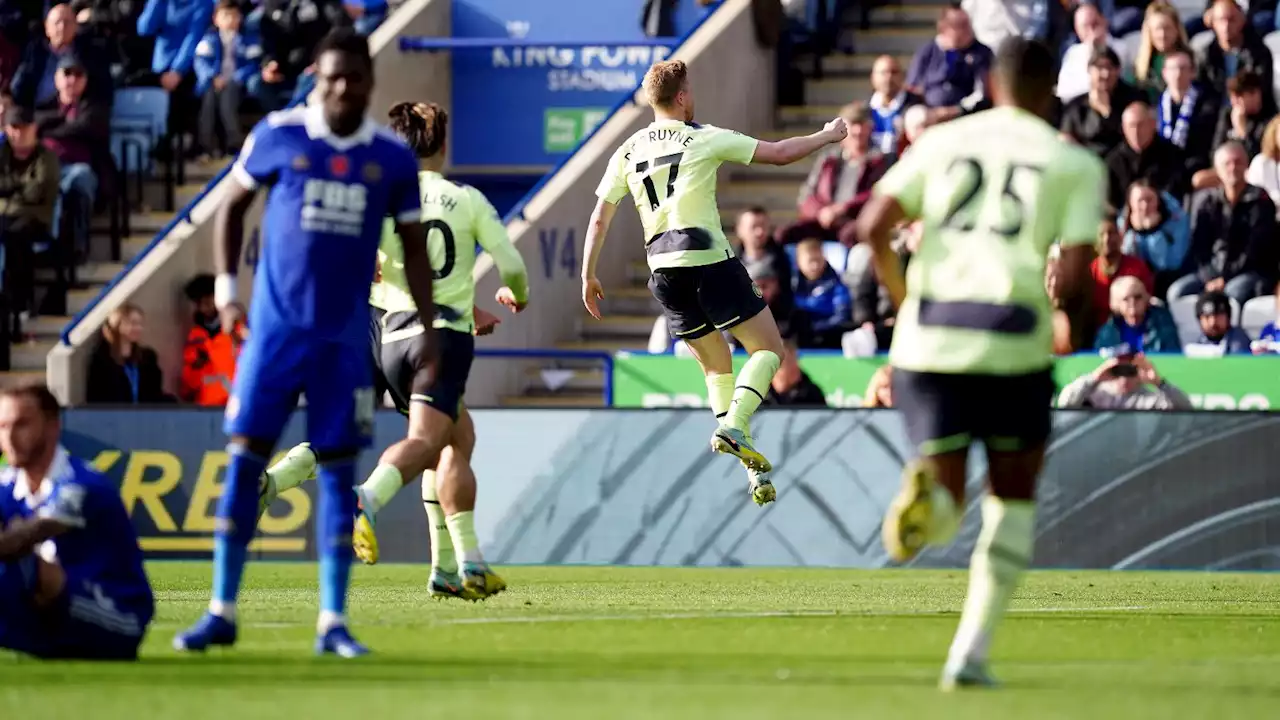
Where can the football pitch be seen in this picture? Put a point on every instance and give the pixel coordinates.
(578, 642)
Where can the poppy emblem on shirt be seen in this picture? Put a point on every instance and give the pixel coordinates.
(301, 163)
(339, 166)
(371, 172)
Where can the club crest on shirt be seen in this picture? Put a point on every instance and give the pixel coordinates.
(371, 172)
(756, 289)
(301, 163)
(233, 407)
(339, 166)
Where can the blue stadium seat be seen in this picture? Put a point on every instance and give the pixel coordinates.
(139, 120)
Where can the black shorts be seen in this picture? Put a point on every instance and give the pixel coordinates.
(398, 349)
(947, 412)
(702, 299)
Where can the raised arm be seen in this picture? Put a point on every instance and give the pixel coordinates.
(785, 152)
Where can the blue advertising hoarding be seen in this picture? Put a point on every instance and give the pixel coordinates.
(529, 106)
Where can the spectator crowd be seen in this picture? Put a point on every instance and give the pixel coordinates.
(62, 67)
(1178, 100)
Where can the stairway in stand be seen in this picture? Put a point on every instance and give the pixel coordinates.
(896, 29)
(28, 354)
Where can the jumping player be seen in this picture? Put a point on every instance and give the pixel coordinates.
(334, 175)
(72, 585)
(669, 169)
(972, 348)
(457, 218)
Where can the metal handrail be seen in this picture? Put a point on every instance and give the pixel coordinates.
(525, 354)
(435, 44)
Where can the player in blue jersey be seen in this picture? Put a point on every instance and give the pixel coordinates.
(334, 175)
(72, 584)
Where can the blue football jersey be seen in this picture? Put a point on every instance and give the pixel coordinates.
(323, 220)
(100, 545)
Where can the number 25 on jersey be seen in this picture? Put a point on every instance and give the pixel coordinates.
(970, 192)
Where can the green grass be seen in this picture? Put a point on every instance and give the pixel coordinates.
(607, 643)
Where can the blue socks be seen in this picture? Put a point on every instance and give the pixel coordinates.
(336, 519)
(237, 522)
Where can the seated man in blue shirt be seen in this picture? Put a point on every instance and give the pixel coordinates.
(72, 583)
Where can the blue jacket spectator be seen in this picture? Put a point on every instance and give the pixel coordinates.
(821, 296)
(1268, 340)
(1135, 322)
(178, 26)
(209, 59)
(33, 83)
(1157, 231)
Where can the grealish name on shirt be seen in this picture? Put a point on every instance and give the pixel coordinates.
(448, 202)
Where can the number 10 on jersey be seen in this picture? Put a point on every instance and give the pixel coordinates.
(672, 163)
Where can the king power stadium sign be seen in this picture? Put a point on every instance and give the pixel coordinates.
(1228, 383)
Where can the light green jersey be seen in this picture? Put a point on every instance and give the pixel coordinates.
(670, 169)
(995, 191)
(457, 217)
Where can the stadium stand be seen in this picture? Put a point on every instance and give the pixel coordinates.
(169, 249)
(892, 69)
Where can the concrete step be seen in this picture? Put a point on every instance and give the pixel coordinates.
(636, 327)
(91, 273)
(837, 90)
(585, 399)
(47, 326)
(858, 63)
(796, 117)
(890, 41)
(31, 356)
(634, 300)
(79, 299)
(142, 222)
(582, 380)
(14, 377)
(922, 14)
(771, 192)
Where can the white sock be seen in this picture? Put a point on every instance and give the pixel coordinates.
(292, 470)
(224, 610)
(329, 620)
(1000, 556)
(946, 518)
(442, 556)
(383, 484)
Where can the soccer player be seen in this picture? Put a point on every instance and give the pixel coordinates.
(972, 348)
(457, 217)
(669, 169)
(334, 175)
(72, 585)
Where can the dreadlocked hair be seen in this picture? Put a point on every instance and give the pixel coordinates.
(423, 126)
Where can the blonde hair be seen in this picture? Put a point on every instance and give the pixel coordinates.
(664, 81)
(1122, 286)
(1271, 143)
(111, 334)
(1146, 48)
